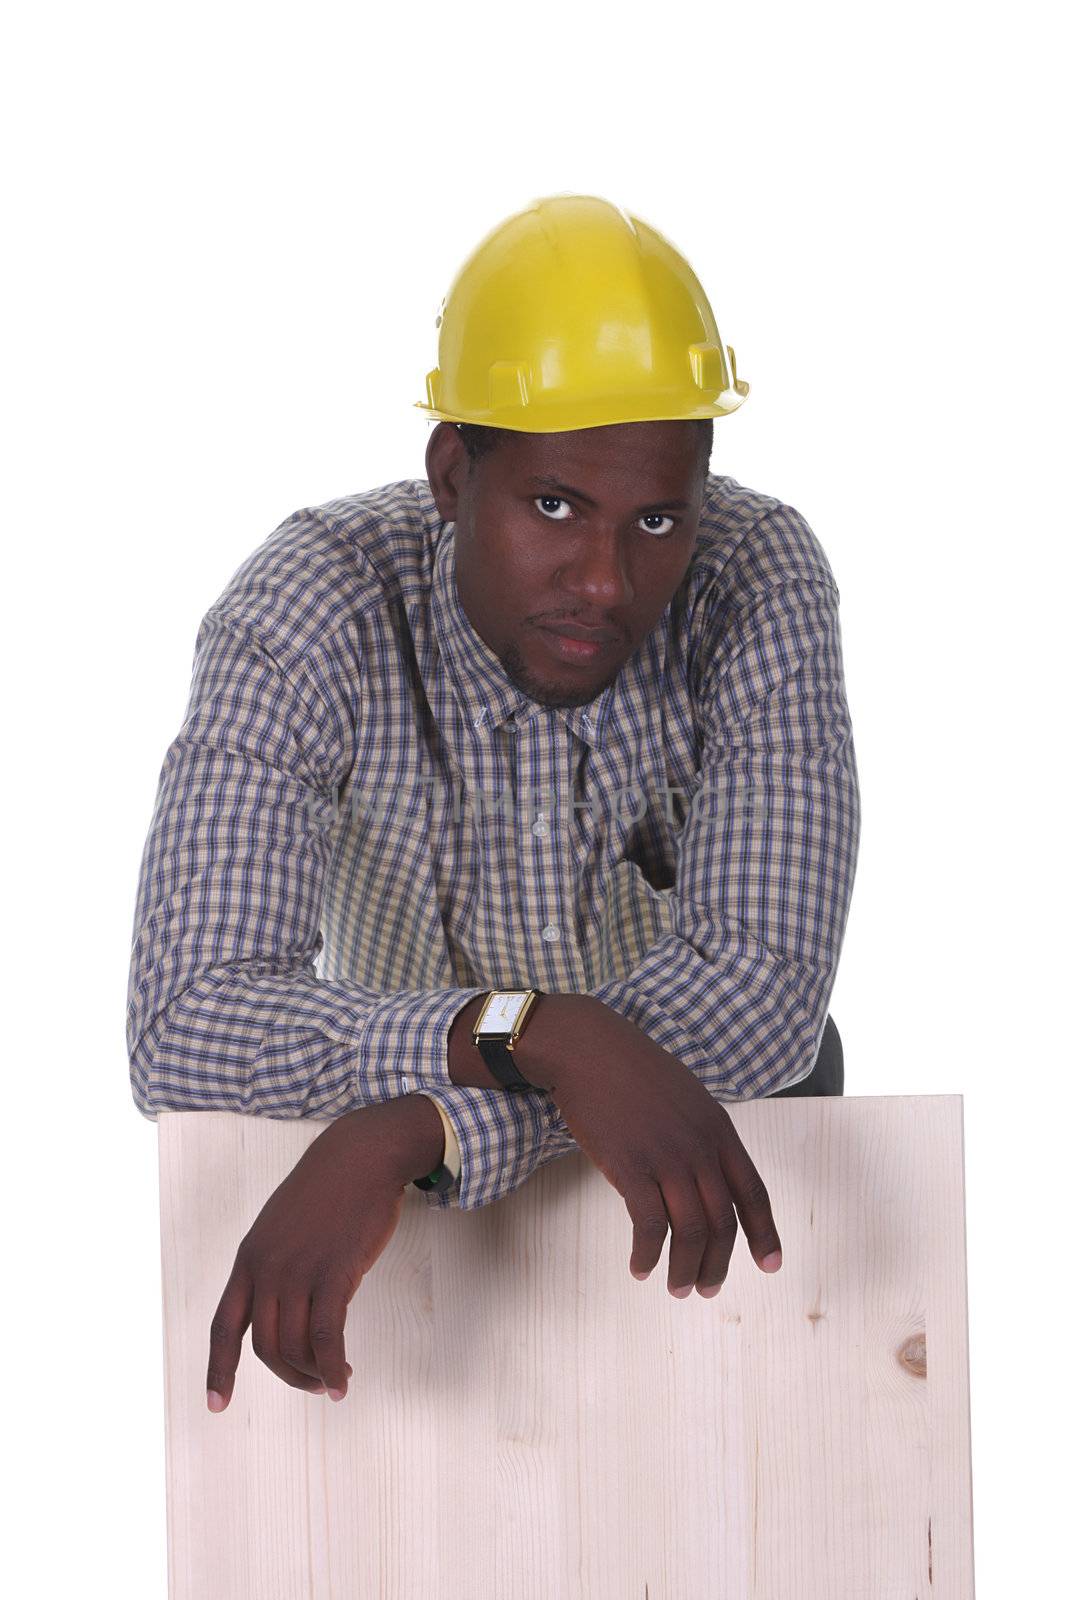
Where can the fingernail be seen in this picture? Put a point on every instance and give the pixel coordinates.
(772, 1262)
(707, 1293)
(336, 1394)
(215, 1402)
(642, 1275)
(680, 1294)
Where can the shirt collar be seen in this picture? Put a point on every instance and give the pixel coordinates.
(485, 693)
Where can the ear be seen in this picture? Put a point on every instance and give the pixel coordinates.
(447, 468)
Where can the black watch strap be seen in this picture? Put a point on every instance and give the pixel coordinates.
(501, 1063)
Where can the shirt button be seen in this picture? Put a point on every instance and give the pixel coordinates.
(540, 827)
(550, 931)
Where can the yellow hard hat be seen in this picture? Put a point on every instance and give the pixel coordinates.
(574, 313)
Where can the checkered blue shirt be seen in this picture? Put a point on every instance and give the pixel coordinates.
(362, 823)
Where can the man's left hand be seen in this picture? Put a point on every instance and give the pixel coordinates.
(305, 1255)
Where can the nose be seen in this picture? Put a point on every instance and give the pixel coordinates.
(596, 577)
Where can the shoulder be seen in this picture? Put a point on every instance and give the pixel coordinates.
(751, 548)
(749, 542)
(748, 545)
(311, 581)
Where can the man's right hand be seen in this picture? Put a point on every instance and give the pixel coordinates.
(658, 1136)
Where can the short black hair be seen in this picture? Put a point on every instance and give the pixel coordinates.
(478, 440)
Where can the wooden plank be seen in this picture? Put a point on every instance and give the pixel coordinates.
(527, 1420)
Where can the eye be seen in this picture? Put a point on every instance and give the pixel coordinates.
(552, 499)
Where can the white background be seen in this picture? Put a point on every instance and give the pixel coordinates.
(231, 228)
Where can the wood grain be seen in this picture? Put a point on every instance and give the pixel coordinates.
(526, 1420)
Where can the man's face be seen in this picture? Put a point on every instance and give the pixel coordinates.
(594, 526)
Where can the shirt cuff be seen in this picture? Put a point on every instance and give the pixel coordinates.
(451, 1158)
(403, 1042)
(501, 1135)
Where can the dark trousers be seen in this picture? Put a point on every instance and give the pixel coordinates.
(828, 1074)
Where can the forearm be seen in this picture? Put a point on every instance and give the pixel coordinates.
(552, 1039)
(413, 1131)
(280, 1043)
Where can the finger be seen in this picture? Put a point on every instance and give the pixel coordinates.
(294, 1346)
(722, 1230)
(749, 1194)
(232, 1316)
(689, 1229)
(648, 1214)
(265, 1325)
(329, 1308)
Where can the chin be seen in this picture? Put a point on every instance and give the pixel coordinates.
(554, 693)
(559, 696)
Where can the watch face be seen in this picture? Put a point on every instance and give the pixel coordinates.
(502, 1010)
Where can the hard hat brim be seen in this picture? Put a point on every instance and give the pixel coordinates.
(590, 414)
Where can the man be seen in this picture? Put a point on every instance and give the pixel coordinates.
(555, 741)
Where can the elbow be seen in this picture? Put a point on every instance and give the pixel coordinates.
(139, 1056)
(151, 1053)
(782, 1038)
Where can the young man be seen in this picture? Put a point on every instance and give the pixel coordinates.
(555, 740)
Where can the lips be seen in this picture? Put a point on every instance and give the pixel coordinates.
(573, 648)
(574, 630)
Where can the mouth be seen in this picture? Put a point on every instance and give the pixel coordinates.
(572, 643)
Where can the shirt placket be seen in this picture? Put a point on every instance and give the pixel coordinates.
(545, 866)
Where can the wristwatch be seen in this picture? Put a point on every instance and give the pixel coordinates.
(501, 1021)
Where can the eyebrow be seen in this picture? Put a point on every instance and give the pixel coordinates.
(552, 484)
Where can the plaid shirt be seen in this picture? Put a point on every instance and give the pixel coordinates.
(362, 823)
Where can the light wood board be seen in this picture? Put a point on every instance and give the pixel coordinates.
(526, 1420)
